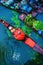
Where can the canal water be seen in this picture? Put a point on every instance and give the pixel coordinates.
(15, 52)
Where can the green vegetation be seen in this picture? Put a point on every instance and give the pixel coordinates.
(38, 60)
(15, 20)
(26, 30)
(17, 23)
(38, 25)
(29, 20)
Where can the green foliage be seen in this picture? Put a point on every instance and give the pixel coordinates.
(38, 25)
(26, 30)
(29, 20)
(17, 22)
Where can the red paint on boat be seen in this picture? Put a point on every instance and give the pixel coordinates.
(30, 42)
(19, 34)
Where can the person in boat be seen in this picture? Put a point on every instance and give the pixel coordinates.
(20, 36)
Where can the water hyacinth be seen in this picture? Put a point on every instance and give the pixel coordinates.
(38, 25)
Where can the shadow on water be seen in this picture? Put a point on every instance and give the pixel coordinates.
(38, 60)
(2, 60)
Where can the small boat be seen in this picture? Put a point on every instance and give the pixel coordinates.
(22, 6)
(37, 5)
(35, 25)
(19, 35)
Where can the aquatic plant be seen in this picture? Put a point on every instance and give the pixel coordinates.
(18, 23)
(15, 20)
(29, 20)
(26, 30)
(38, 25)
